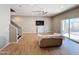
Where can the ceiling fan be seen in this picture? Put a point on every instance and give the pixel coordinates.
(40, 12)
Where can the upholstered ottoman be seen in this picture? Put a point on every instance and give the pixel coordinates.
(50, 41)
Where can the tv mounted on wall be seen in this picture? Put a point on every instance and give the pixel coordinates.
(39, 23)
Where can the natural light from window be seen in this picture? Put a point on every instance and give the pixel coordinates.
(70, 28)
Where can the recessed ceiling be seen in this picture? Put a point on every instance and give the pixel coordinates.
(40, 9)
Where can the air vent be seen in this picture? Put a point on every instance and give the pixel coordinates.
(11, 10)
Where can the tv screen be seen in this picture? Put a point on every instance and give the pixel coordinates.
(39, 23)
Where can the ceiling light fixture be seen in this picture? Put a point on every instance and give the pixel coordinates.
(31, 4)
(61, 6)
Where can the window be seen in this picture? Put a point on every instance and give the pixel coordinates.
(65, 28)
(70, 28)
(74, 29)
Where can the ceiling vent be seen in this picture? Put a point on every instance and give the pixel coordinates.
(11, 10)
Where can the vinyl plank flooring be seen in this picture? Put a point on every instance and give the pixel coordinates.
(28, 45)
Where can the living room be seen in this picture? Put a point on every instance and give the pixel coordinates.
(27, 22)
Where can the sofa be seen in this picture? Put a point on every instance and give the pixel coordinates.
(50, 40)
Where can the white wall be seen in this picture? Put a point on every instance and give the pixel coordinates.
(28, 23)
(4, 24)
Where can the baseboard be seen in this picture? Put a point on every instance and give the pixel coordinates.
(4, 46)
(37, 33)
(11, 43)
(29, 32)
(17, 40)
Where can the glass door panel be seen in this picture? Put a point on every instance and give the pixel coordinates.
(74, 29)
(65, 28)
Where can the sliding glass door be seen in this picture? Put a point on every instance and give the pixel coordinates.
(65, 28)
(74, 29)
(70, 28)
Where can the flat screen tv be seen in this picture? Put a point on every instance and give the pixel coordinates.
(39, 23)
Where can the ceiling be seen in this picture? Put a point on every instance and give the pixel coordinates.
(40, 9)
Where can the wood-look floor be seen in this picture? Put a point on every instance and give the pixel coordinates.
(28, 45)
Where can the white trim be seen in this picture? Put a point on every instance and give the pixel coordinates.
(11, 43)
(35, 32)
(28, 32)
(16, 41)
(4, 46)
